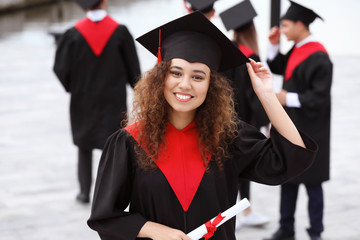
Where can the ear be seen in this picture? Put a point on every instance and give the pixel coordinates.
(104, 4)
(300, 25)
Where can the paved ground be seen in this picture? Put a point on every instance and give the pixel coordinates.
(38, 161)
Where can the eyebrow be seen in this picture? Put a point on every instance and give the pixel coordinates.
(196, 71)
(177, 67)
(200, 71)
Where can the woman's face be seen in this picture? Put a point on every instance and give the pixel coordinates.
(186, 85)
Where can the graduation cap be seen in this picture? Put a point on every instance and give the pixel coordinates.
(238, 16)
(86, 4)
(202, 5)
(296, 12)
(195, 39)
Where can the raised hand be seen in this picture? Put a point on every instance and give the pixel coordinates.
(274, 35)
(261, 80)
(261, 77)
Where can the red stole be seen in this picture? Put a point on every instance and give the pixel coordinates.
(180, 161)
(246, 50)
(299, 54)
(97, 34)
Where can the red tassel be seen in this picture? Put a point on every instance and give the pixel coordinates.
(159, 48)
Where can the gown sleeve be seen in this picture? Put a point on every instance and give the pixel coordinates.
(63, 59)
(318, 76)
(273, 160)
(278, 64)
(113, 191)
(130, 57)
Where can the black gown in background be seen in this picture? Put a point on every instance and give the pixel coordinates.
(121, 182)
(312, 80)
(97, 83)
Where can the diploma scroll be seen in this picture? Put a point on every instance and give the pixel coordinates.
(228, 214)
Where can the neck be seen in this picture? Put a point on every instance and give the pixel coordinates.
(302, 36)
(96, 15)
(180, 120)
(103, 5)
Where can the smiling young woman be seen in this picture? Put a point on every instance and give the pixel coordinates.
(176, 164)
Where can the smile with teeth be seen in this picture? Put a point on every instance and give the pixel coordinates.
(183, 97)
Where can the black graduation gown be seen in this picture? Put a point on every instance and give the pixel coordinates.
(121, 182)
(97, 84)
(311, 79)
(247, 105)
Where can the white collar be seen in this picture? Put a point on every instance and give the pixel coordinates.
(310, 38)
(96, 15)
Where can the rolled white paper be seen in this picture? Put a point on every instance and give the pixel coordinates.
(199, 232)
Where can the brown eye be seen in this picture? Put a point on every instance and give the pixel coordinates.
(175, 73)
(198, 77)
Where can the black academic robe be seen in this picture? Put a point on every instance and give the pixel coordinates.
(247, 105)
(96, 80)
(311, 79)
(121, 182)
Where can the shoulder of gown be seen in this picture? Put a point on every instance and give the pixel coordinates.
(113, 191)
(64, 57)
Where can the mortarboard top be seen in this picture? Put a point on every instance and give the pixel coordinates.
(195, 39)
(296, 12)
(239, 15)
(86, 4)
(202, 5)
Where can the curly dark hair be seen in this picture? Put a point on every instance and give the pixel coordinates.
(215, 118)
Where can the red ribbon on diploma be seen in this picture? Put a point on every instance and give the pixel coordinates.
(211, 226)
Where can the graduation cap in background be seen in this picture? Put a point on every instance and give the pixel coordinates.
(296, 12)
(86, 4)
(201, 5)
(238, 15)
(195, 39)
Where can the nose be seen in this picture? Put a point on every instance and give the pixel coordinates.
(185, 82)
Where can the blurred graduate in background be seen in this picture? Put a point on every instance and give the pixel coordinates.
(306, 96)
(94, 61)
(206, 7)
